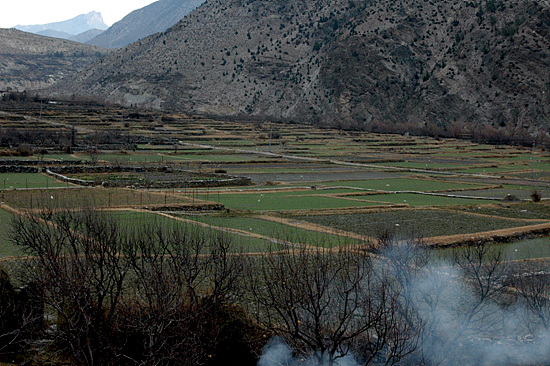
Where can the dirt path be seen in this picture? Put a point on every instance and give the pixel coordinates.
(235, 231)
(313, 227)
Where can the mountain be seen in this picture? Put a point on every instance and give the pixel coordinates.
(54, 34)
(71, 27)
(341, 62)
(154, 18)
(30, 62)
(86, 36)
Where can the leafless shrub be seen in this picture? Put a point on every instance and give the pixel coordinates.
(536, 196)
(326, 304)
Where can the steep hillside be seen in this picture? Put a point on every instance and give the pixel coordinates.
(29, 61)
(86, 36)
(154, 18)
(346, 62)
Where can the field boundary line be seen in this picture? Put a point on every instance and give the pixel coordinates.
(313, 227)
(232, 230)
(485, 236)
(540, 221)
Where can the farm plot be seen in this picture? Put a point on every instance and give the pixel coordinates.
(240, 243)
(28, 180)
(418, 200)
(404, 184)
(528, 249)
(423, 223)
(135, 158)
(93, 197)
(422, 166)
(159, 179)
(277, 231)
(286, 201)
(317, 177)
(495, 169)
(523, 193)
(527, 211)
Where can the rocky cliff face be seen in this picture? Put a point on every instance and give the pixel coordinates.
(342, 62)
(31, 62)
(154, 18)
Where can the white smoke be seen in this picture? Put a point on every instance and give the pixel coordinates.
(458, 328)
(278, 353)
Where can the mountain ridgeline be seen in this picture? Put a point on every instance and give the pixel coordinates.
(356, 63)
(77, 28)
(156, 17)
(31, 62)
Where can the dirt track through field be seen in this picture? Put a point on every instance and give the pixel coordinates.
(314, 227)
(235, 231)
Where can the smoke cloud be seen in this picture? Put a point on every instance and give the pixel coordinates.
(278, 353)
(463, 322)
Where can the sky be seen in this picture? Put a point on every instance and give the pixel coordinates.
(30, 12)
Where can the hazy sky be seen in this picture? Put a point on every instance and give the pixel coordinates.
(29, 12)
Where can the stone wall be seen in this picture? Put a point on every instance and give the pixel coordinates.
(19, 169)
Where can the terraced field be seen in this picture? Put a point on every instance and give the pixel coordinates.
(310, 186)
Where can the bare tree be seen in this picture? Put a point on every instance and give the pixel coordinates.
(93, 153)
(76, 263)
(533, 289)
(182, 276)
(150, 294)
(326, 304)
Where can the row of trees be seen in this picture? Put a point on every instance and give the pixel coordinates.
(99, 292)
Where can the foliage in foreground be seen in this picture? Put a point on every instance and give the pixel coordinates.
(169, 295)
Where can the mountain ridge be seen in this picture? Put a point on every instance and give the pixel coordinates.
(153, 18)
(32, 62)
(74, 26)
(341, 62)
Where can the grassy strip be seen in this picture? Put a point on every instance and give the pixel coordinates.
(284, 201)
(90, 197)
(28, 180)
(401, 184)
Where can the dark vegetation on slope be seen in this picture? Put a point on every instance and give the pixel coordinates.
(450, 68)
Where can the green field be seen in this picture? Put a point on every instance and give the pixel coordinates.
(537, 211)
(284, 202)
(276, 230)
(416, 200)
(90, 197)
(132, 220)
(7, 248)
(28, 180)
(403, 185)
